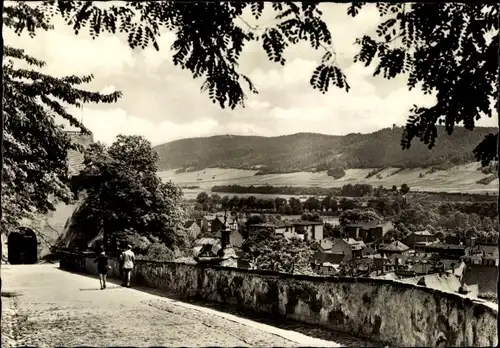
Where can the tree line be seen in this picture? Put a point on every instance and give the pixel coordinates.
(348, 190)
(353, 190)
(278, 205)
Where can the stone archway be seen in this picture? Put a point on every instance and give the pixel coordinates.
(22, 247)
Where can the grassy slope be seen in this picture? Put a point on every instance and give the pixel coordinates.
(301, 153)
(457, 179)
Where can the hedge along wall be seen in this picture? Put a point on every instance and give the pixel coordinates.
(383, 310)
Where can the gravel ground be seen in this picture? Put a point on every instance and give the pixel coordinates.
(44, 306)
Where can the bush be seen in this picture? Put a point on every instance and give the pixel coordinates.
(336, 173)
(490, 169)
(488, 180)
(158, 252)
(432, 170)
(397, 171)
(140, 244)
(375, 172)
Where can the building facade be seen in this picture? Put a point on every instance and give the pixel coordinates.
(368, 232)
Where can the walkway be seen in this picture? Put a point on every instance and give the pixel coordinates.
(44, 306)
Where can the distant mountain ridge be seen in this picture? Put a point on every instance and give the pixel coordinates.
(319, 152)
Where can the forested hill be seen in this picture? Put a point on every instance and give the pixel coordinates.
(310, 152)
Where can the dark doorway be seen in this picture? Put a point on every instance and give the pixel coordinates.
(22, 247)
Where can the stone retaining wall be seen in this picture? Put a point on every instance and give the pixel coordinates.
(382, 310)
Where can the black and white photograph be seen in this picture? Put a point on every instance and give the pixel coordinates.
(249, 174)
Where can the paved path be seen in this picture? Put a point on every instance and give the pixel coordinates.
(45, 306)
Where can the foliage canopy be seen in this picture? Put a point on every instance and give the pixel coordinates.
(35, 170)
(447, 48)
(441, 46)
(123, 192)
(270, 251)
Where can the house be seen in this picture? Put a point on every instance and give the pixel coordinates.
(453, 239)
(210, 251)
(420, 246)
(357, 247)
(469, 241)
(342, 247)
(206, 223)
(481, 259)
(388, 238)
(333, 258)
(306, 230)
(444, 281)
(327, 268)
(324, 244)
(279, 228)
(487, 241)
(418, 267)
(419, 238)
(235, 238)
(395, 247)
(420, 264)
(441, 281)
(486, 250)
(368, 251)
(327, 263)
(368, 231)
(484, 276)
(447, 251)
(349, 247)
(312, 230)
(421, 267)
(206, 247)
(218, 223)
(473, 259)
(288, 231)
(490, 260)
(192, 228)
(460, 240)
(382, 264)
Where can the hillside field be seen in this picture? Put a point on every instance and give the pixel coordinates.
(460, 178)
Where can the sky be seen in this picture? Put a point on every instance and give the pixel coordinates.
(162, 102)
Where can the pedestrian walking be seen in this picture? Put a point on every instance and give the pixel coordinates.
(120, 263)
(128, 259)
(102, 268)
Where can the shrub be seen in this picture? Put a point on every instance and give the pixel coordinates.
(158, 252)
(488, 180)
(432, 170)
(375, 172)
(336, 173)
(397, 171)
(140, 244)
(490, 169)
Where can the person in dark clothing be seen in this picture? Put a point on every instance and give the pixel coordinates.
(102, 268)
(120, 263)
